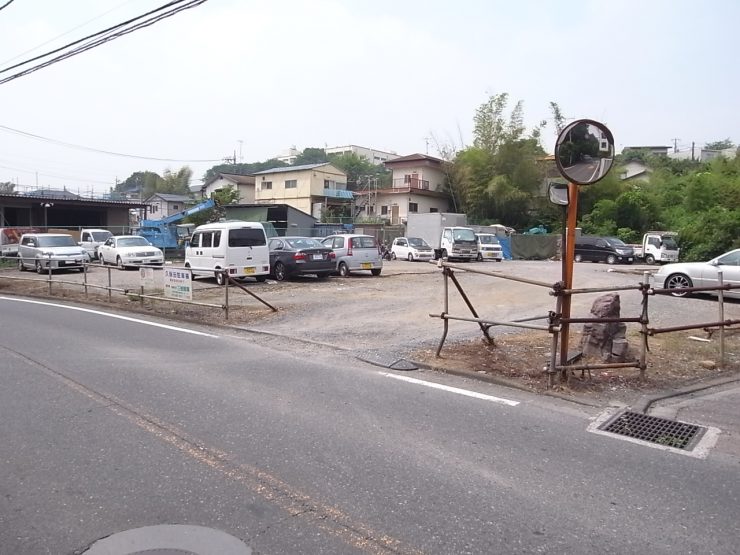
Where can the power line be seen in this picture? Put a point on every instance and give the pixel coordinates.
(8, 3)
(90, 149)
(102, 38)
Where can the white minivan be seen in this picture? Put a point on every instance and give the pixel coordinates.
(239, 248)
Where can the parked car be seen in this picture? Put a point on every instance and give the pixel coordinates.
(701, 274)
(603, 249)
(489, 247)
(411, 249)
(44, 251)
(129, 250)
(293, 256)
(355, 252)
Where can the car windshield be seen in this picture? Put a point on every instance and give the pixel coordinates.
(57, 241)
(669, 242)
(133, 242)
(100, 235)
(419, 243)
(364, 243)
(614, 242)
(488, 239)
(464, 235)
(305, 243)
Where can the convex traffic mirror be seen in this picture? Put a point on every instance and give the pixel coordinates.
(584, 151)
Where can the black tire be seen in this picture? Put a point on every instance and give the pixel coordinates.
(578, 258)
(279, 271)
(39, 267)
(678, 281)
(611, 259)
(119, 263)
(220, 278)
(261, 279)
(376, 271)
(323, 275)
(444, 254)
(650, 259)
(100, 260)
(81, 269)
(480, 257)
(343, 269)
(411, 257)
(21, 267)
(393, 255)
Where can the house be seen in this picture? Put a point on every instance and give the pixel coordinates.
(376, 157)
(655, 150)
(162, 205)
(417, 186)
(634, 170)
(310, 188)
(243, 184)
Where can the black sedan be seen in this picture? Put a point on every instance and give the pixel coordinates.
(293, 256)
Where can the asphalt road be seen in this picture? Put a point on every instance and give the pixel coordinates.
(112, 424)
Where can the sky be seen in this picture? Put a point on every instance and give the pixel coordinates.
(253, 78)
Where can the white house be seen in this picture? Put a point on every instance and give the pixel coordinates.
(161, 205)
(417, 186)
(310, 188)
(372, 155)
(244, 184)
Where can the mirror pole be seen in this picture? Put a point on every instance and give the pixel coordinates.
(570, 251)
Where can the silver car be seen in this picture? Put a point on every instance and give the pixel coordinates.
(701, 274)
(45, 251)
(355, 252)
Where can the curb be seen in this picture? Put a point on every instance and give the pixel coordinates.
(644, 403)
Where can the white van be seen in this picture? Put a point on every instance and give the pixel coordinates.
(238, 247)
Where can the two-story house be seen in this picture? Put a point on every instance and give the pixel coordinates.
(417, 186)
(161, 205)
(244, 185)
(311, 188)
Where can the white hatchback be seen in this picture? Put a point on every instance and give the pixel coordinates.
(355, 252)
(411, 249)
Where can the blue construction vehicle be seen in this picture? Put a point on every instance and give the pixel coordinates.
(166, 233)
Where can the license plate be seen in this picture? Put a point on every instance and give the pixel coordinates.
(249, 270)
(318, 257)
(367, 266)
(629, 260)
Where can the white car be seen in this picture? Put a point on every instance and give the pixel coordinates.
(411, 249)
(701, 274)
(129, 250)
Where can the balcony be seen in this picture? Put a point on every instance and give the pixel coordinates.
(338, 193)
(410, 182)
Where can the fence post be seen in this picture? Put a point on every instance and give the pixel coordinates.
(110, 293)
(644, 324)
(721, 299)
(226, 293)
(84, 276)
(49, 274)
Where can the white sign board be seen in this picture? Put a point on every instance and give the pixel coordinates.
(177, 284)
(147, 276)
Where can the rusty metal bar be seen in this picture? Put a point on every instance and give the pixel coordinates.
(512, 324)
(483, 327)
(656, 331)
(497, 275)
(660, 291)
(597, 290)
(636, 320)
(264, 302)
(644, 325)
(227, 283)
(603, 366)
(446, 323)
(721, 298)
(167, 299)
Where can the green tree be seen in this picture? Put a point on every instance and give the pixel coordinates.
(222, 197)
(140, 181)
(720, 145)
(174, 182)
(242, 169)
(7, 187)
(311, 156)
(359, 171)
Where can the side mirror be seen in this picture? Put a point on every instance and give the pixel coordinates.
(584, 152)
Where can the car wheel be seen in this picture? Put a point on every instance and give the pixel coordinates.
(611, 259)
(39, 267)
(678, 281)
(323, 275)
(393, 256)
(220, 278)
(650, 259)
(261, 279)
(579, 258)
(444, 254)
(479, 257)
(21, 266)
(279, 271)
(343, 269)
(119, 263)
(376, 271)
(411, 257)
(100, 260)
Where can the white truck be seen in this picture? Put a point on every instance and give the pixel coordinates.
(658, 246)
(446, 232)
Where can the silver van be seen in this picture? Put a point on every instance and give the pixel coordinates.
(355, 252)
(45, 251)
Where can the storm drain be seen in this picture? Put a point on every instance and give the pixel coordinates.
(661, 431)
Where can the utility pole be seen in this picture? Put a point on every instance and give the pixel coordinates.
(675, 145)
(241, 158)
(692, 151)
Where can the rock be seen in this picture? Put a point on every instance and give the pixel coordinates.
(708, 364)
(605, 340)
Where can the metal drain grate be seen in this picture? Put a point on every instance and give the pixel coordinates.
(670, 433)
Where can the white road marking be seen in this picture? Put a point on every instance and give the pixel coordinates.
(450, 389)
(108, 314)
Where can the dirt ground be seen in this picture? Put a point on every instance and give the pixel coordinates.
(392, 313)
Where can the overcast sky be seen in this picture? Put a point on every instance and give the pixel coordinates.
(256, 77)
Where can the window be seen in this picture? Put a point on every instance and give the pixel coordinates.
(413, 207)
(176, 207)
(247, 237)
(266, 185)
(383, 210)
(207, 240)
(291, 183)
(433, 210)
(194, 240)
